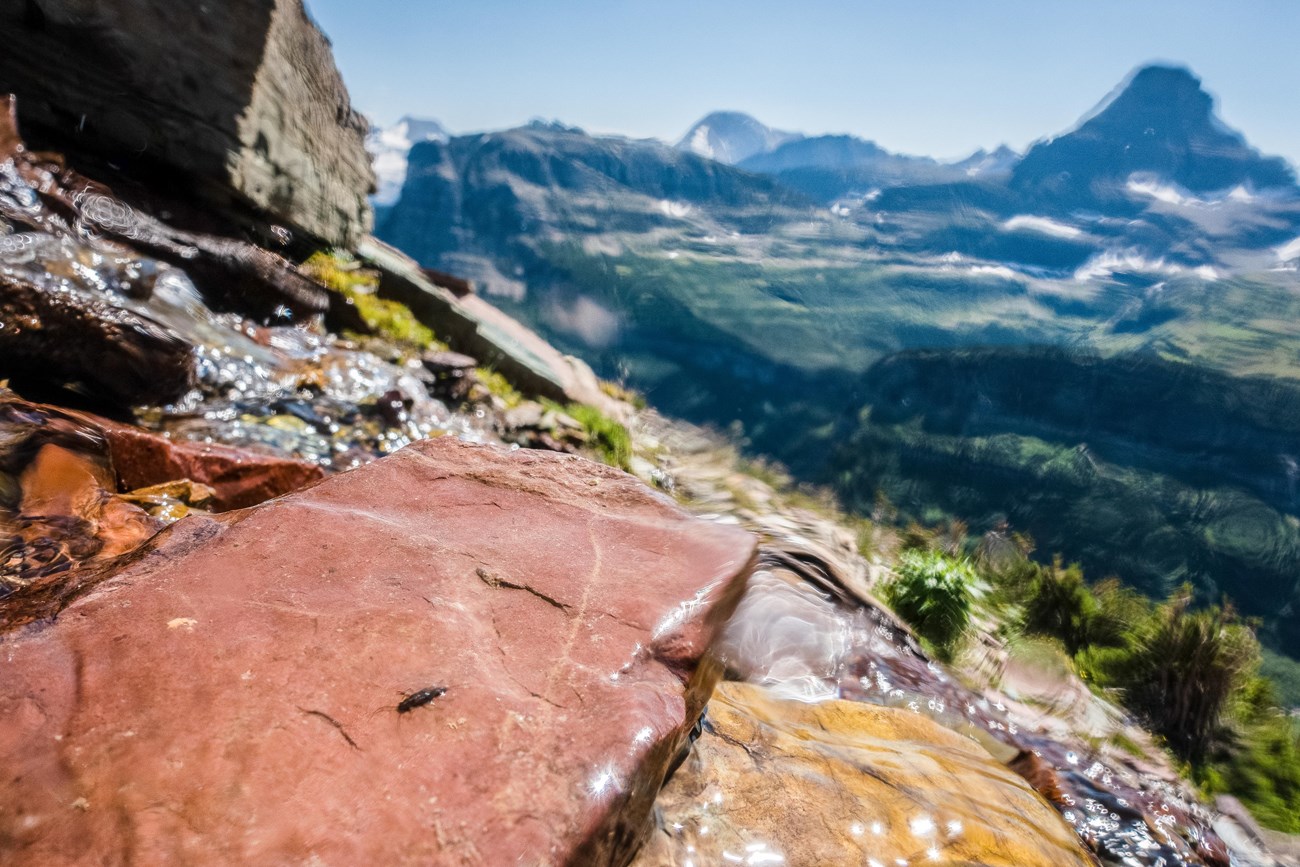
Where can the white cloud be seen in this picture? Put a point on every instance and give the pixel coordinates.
(1041, 225)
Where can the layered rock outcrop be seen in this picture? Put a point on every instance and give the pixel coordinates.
(456, 654)
(239, 102)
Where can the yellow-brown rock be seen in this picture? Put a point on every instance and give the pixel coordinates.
(838, 782)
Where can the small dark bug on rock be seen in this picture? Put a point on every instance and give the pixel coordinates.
(421, 698)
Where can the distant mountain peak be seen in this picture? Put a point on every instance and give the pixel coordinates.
(1160, 94)
(732, 136)
(542, 124)
(1160, 121)
(388, 147)
(986, 164)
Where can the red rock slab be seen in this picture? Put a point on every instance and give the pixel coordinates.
(239, 477)
(233, 696)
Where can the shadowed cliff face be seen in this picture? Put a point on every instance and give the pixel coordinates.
(239, 104)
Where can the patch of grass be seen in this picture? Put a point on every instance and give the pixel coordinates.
(768, 472)
(608, 437)
(1045, 654)
(1127, 744)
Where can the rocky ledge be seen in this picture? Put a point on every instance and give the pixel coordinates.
(237, 106)
(454, 654)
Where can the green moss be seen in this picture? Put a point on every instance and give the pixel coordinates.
(498, 386)
(340, 272)
(396, 321)
(623, 393)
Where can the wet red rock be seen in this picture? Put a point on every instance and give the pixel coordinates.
(233, 696)
(238, 477)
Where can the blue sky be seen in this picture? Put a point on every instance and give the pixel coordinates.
(938, 77)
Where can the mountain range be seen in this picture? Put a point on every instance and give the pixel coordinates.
(774, 283)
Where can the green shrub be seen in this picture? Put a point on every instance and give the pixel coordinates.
(932, 592)
(1059, 604)
(1121, 614)
(1181, 671)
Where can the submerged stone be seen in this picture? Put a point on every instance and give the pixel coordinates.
(58, 506)
(456, 654)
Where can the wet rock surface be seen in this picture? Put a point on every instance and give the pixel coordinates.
(131, 329)
(813, 640)
(40, 193)
(268, 686)
(76, 337)
(838, 782)
(238, 478)
(58, 504)
(239, 103)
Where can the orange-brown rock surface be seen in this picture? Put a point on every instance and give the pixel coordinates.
(249, 689)
(58, 502)
(838, 782)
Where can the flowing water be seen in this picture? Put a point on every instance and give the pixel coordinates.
(293, 390)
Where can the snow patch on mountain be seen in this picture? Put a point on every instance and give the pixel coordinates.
(389, 146)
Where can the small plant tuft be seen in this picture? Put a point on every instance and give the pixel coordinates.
(610, 439)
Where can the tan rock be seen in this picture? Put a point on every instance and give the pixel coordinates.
(774, 782)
